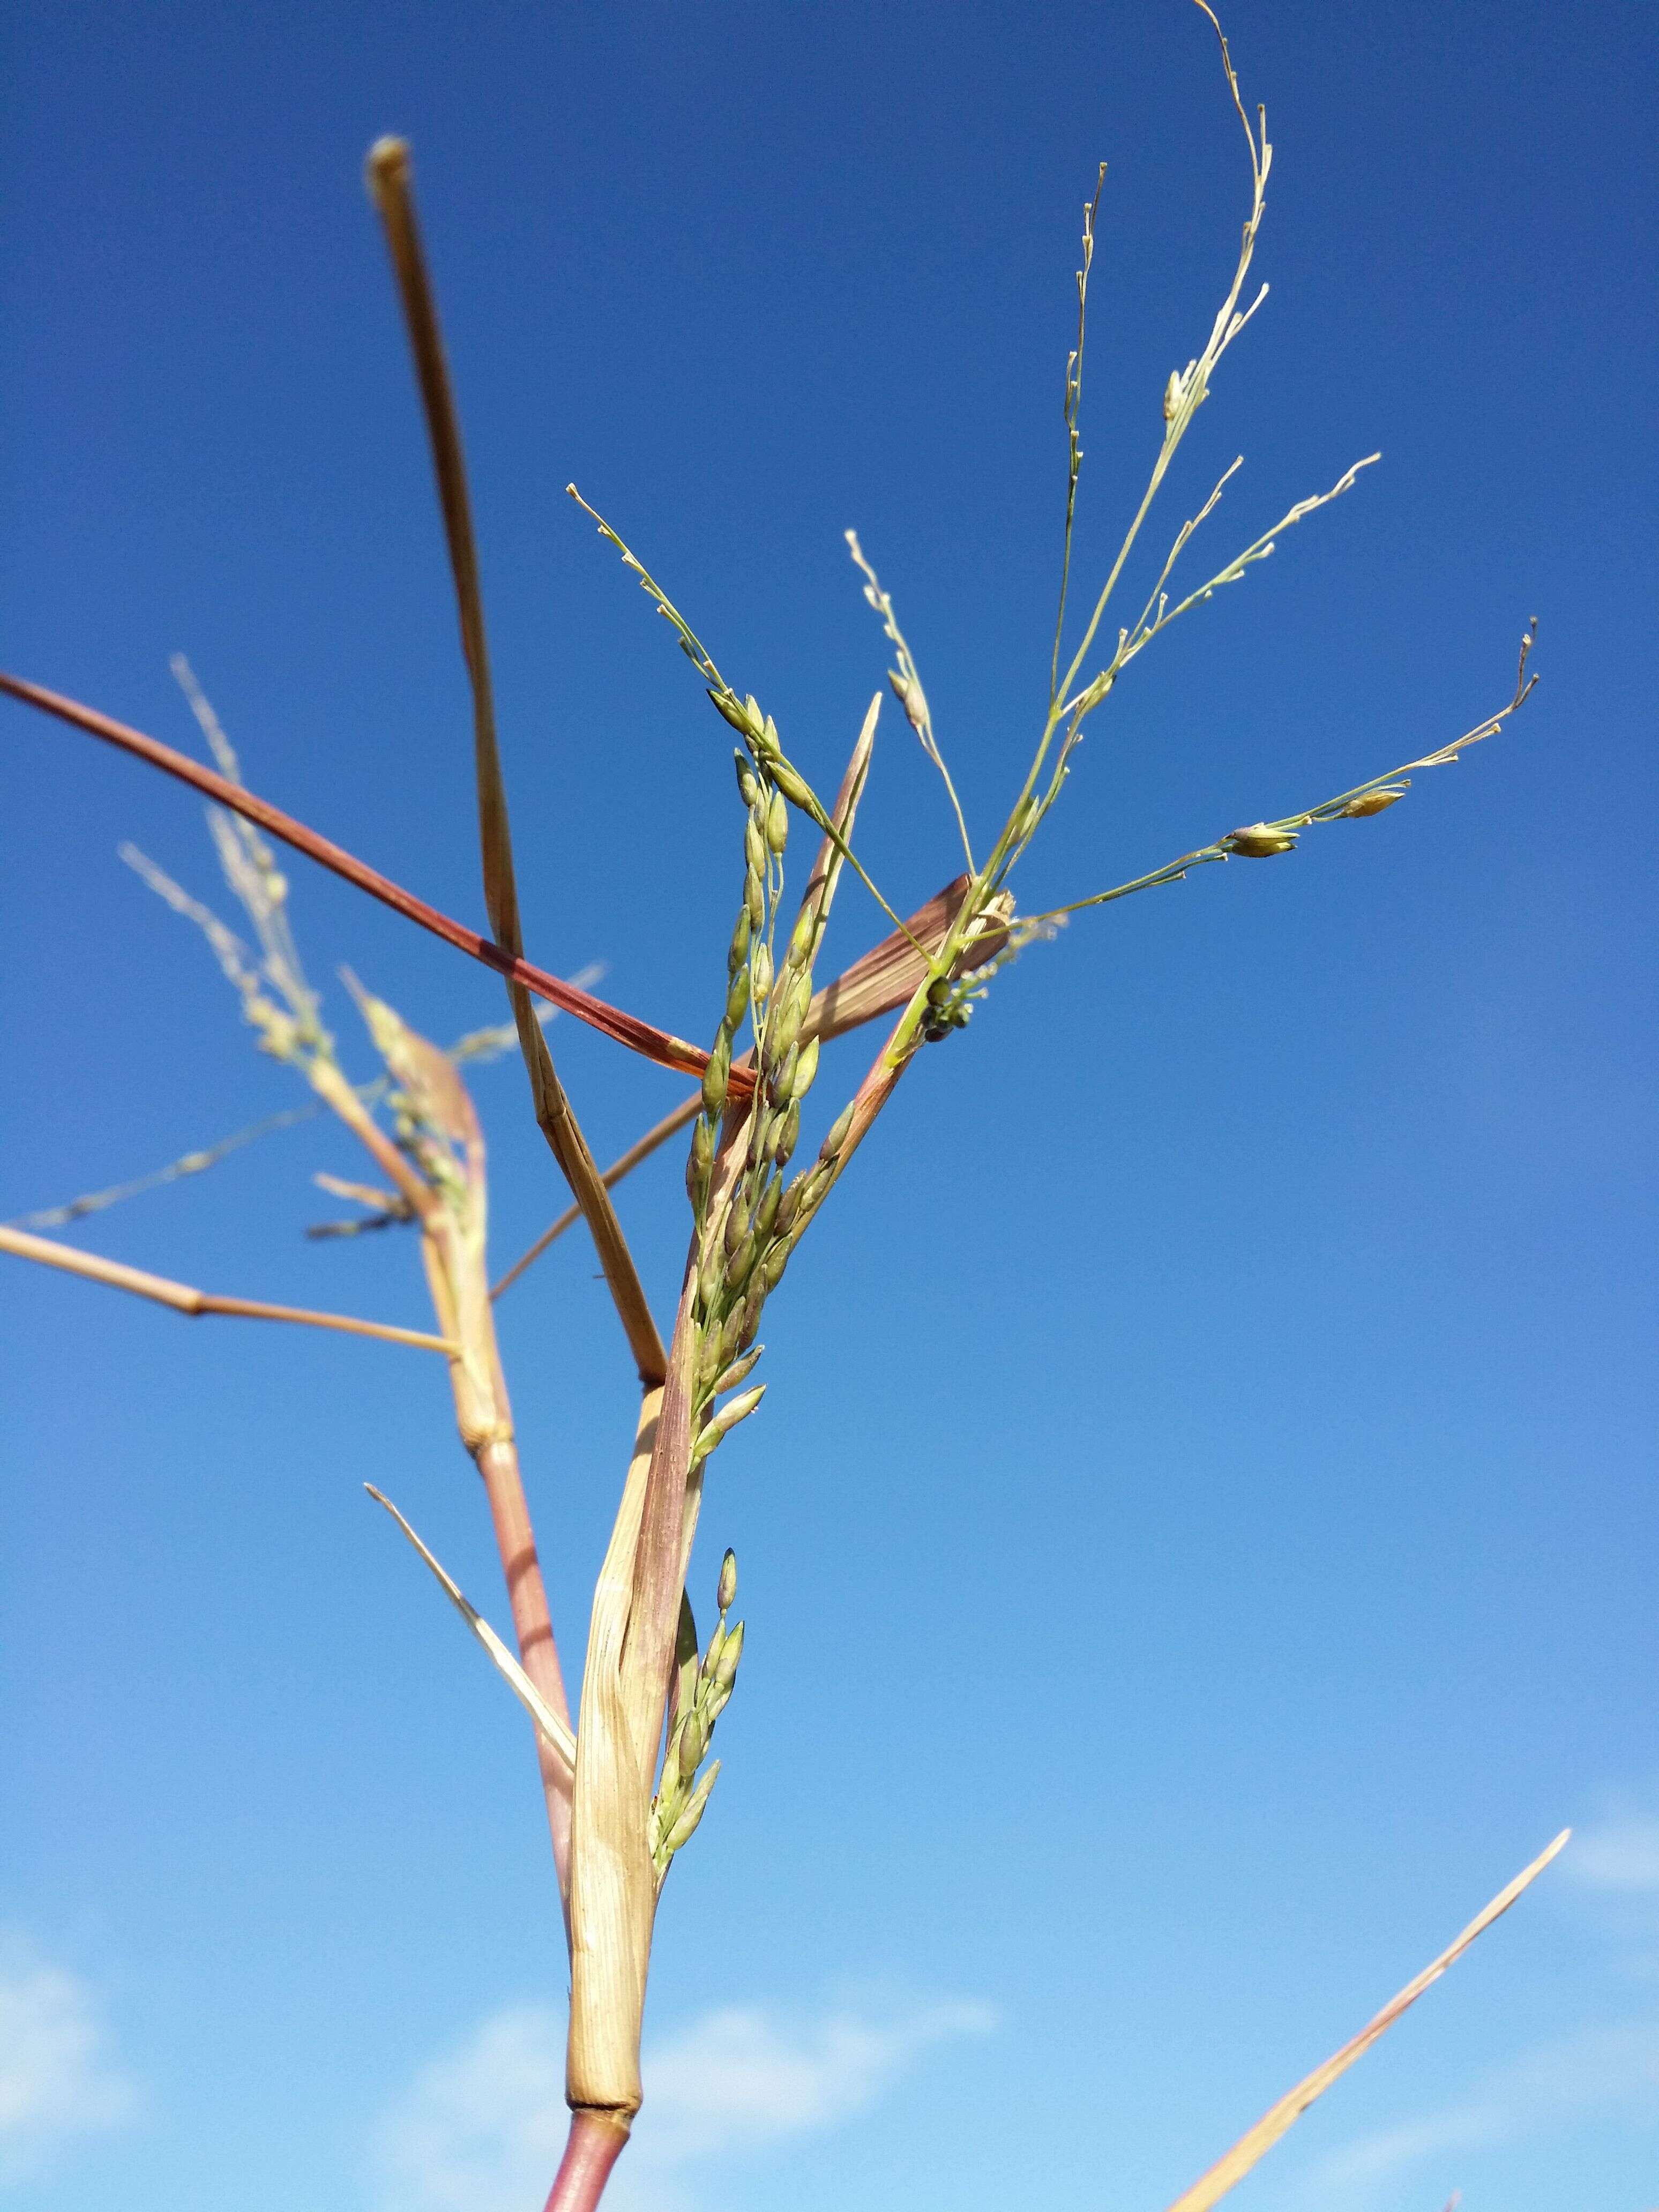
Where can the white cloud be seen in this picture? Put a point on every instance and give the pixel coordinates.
(1600, 2073)
(483, 2129)
(57, 2077)
(1622, 1856)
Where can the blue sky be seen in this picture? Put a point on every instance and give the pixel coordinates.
(1199, 1541)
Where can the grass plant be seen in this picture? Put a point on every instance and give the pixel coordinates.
(627, 1775)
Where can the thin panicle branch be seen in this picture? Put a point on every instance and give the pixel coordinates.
(388, 172)
(1282, 2117)
(758, 731)
(1073, 416)
(906, 682)
(185, 1299)
(651, 1043)
(1266, 840)
(189, 1164)
(1158, 614)
(1188, 389)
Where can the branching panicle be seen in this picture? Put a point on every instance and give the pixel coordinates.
(625, 1792)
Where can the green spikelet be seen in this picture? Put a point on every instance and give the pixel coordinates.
(790, 1205)
(729, 1380)
(839, 1129)
(784, 1027)
(793, 788)
(738, 1262)
(801, 938)
(789, 1135)
(781, 1086)
(766, 1212)
(726, 1668)
(739, 952)
(806, 1069)
(685, 1827)
(716, 1076)
(737, 1226)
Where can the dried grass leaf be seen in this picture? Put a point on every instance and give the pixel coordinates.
(1277, 2120)
(552, 1728)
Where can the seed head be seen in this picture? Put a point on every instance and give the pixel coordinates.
(783, 1078)
(725, 1667)
(789, 1206)
(767, 1211)
(748, 788)
(716, 1077)
(739, 952)
(685, 1827)
(760, 974)
(696, 1177)
(1261, 841)
(839, 1131)
(729, 1378)
(789, 1135)
(1372, 802)
(784, 1026)
(726, 1420)
(727, 1589)
(801, 937)
(805, 1068)
(792, 786)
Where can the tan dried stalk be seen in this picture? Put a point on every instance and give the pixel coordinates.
(389, 183)
(182, 1298)
(1278, 2119)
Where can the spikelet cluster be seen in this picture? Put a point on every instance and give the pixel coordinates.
(744, 1245)
(706, 1684)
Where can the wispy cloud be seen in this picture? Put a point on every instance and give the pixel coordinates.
(1607, 2073)
(481, 2130)
(58, 2078)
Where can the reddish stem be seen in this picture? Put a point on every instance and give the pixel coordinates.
(532, 1622)
(597, 2141)
(669, 1051)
